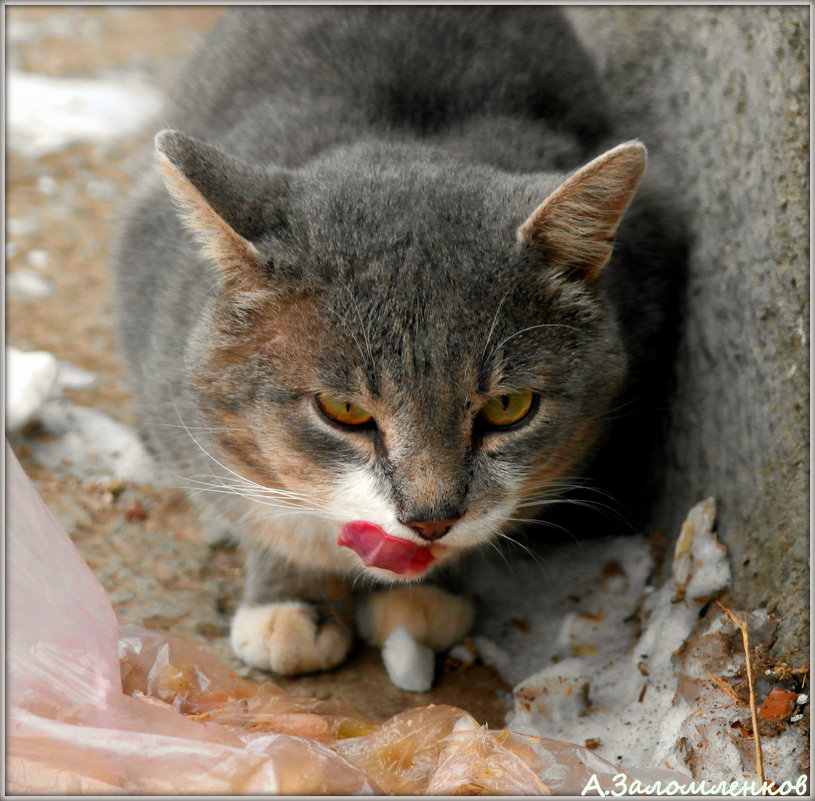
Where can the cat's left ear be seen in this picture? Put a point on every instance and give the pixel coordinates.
(220, 198)
(573, 229)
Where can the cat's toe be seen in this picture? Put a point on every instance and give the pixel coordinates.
(434, 617)
(288, 638)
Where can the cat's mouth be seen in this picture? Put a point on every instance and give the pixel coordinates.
(379, 549)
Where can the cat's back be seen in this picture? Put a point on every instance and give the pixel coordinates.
(417, 68)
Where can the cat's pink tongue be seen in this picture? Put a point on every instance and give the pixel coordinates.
(377, 548)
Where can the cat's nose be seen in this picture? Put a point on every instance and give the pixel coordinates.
(431, 529)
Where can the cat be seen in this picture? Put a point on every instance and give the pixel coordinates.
(383, 281)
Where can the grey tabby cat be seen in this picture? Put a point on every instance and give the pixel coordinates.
(366, 304)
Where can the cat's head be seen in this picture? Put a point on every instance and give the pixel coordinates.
(398, 337)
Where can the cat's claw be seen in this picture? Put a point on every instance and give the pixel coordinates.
(287, 638)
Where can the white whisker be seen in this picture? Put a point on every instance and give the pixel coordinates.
(495, 321)
(533, 327)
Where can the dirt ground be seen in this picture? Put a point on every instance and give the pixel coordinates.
(144, 544)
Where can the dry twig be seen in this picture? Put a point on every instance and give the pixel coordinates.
(745, 638)
(724, 686)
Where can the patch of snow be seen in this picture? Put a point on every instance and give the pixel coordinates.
(597, 657)
(577, 601)
(409, 664)
(698, 547)
(21, 226)
(28, 285)
(30, 378)
(86, 442)
(89, 443)
(45, 114)
(19, 31)
(491, 653)
(38, 258)
(784, 755)
(462, 653)
(47, 185)
(72, 377)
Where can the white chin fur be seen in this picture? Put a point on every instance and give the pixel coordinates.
(357, 497)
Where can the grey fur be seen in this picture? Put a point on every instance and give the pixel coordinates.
(380, 160)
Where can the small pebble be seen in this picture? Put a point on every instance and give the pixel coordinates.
(802, 699)
(796, 718)
(38, 258)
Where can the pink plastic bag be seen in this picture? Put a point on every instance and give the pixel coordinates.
(95, 708)
(71, 729)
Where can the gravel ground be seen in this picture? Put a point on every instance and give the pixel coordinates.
(143, 543)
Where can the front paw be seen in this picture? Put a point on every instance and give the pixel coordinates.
(434, 617)
(287, 638)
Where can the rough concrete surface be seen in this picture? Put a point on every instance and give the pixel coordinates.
(723, 92)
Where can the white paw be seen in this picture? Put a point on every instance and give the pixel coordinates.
(286, 638)
(432, 616)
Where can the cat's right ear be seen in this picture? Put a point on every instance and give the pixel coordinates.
(220, 199)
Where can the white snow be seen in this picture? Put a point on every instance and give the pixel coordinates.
(19, 31)
(72, 377)
(28, 285)
(45, 114)
(38, 258)
(21, 226)
(597, 656)
(90, 444)
(463, 654)
(491, 653)
(698, 546)
(47, 185)
(86, 442)
(30, 378)
(409, 664)
(35, 377)
(575, 601)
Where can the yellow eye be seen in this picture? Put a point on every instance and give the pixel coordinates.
(342, 411)
(507, 409)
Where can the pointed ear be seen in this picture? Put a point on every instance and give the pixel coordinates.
(220, 199)
(573, 229)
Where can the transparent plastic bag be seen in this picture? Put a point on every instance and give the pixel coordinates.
(95, 708)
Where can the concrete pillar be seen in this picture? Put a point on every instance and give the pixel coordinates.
(723, 92)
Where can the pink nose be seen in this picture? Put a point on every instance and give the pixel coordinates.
(432, 529)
